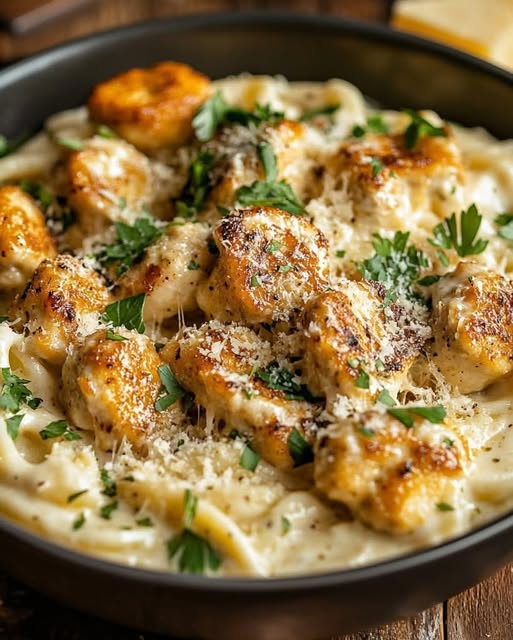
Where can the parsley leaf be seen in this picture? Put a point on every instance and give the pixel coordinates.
(79, 522)
(13, 425)
(362, 381)
(366, 433)
(107, 510)
(70, 143)
(126, 313)
(376, 166)
(285, 524)
(270, 192)
(386, 399)
(170, 391)
(505, 220)
(249, 459)
(39, 192)
(109, 485)
(300, 451)
(7, 147)
(375, 124)
(443, 506)
(406, 415)
(130, 244)
(117, 337)
(195, 554)
(15, 392)
(57, 429)
(193, 265)
(446, 233)
(327, 110)
(394, 264)
(105, 132)
(74, 496)
(144, 522)
(419, 128)
(281, 379)
(216, 111)
(198, 186)
(189, 509)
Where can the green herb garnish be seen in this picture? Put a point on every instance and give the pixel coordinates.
(363, 380)
(376, 166)
(74, 496)
(443, 506)
(281, 379)
(7, 147)
(107, 510)
(57, 429)
(39, 192)
(126, 313)
(13, 425)
(193, 266)
(419, 128)
(144, 522)
(340, 253)
(327, 110)
(300, 450)
(446, 233)
(249, 459)
(285, 524)
(366, 433)
(195, 554)
(130, 244)
(117, 337)
(374, 124)
(70, 143)
(386, 399)
(170, 391)
(79, 522)
(198, 186)
(109, 485)
(273, 246)
(406, 415)
(189, 509)
(505, 221)
(105, 132)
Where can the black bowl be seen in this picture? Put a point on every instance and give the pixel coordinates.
(396, 69)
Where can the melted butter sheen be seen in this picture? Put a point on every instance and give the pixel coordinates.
(268, 522)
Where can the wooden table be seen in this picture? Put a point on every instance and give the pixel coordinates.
(482, 613)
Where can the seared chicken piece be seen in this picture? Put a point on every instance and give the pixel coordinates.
(24, 238)
(348, 334)
(390, 476)
(388, 182)
(56, 305)
(221, 365)
(151, 108)
(110, 386)
(109, 180)
(170, 272)
(271, 262)
(473, 327)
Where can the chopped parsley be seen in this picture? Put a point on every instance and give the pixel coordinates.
(74, 496)
(109, 485)
(58, 429)
(189, 508)
(386, 399)
(406, 415)
(374, 124)
(198, 186)
(465, 244)
(105, 132)
(327, 110)
(273, 246)
(3, 319)
(193, 265)
(427, 281)
(270, 192)
(284, 268)
(70, 143)
(170, 391)
(505, 221)
(130, 244)
(448, 442)
(216, 112)
(420, 128)
(363, 380)
(395, 263)
(126, 313)
(443, 506)
(285, 525)
(144, 522)
(300, 450)
(249, 459)
(340, 253)
(13, 425)
(376, 166)
(107, 510)
(195, 554)
(254, 282)
(15, 392)
(7, 147)
(282, 379)
(79, 521)
(365, 432)
(39, 192)
(117, 337)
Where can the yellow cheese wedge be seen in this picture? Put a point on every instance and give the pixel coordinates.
(481, 27)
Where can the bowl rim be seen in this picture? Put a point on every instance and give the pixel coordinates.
(250, 584)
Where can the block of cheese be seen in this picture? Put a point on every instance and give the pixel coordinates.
(481, 27)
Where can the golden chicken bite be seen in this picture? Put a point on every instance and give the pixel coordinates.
(151, 108)
(110, 386)
(170, 272)
(59, 303)
(109, 181)
(222, 365)
(348, 335)
(24, 239)
(386, 181)
(390, 476)
(271, 262)
(473, 327)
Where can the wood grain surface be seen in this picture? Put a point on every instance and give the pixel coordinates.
(482, 613)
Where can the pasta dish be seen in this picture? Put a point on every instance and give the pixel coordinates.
(254, 327)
